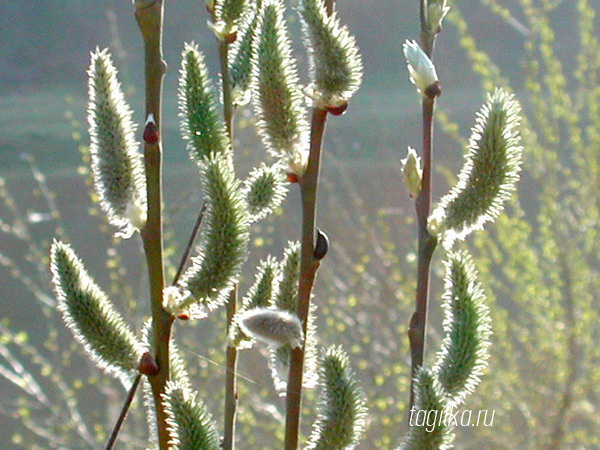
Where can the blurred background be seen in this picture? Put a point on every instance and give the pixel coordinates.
(538, 263)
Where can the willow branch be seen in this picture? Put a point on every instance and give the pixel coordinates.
(308, 269)
(426, 242)
(149, 16)
(231, 357)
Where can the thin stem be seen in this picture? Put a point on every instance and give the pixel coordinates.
(149, 16)
(231, 356)
(426, 243)
(308, 270)
(190, 244)
(124, 410)
(426, 247)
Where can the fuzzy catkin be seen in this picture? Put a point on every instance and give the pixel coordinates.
(90, 315)
(264, 190)
(489, 175)
(259, 295)
(334, 60)
(430, 399)
(464, 354)
(341, 409)
(224, 239)
(191, 427)
(201, 124)
(275, 327)
(117, 166)
(276, 94)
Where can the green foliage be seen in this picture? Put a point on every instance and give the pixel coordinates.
(201, 124)
(117, 166)
(489, 175)
(335, 64)
(224, 239)
(90, 315)
(264, 190)
(342, 409)
(190, 425)
(464, 354)
(276, 94)
(433, 433)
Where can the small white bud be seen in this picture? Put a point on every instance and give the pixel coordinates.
(275, 327)
(297, 162)
(435, 223)
(411, 169)
(171, 299)
(421, 69)
(436, 11)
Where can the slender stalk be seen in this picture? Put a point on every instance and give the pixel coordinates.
(124, 410)
(231, 357)
(426, 247)
(190, 244)
(308, 270)
(149, 15)
(426, 243)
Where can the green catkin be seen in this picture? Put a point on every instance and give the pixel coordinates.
(276, 94)
(286, 295)
(201, 124)
(224, 241)
(264, 190)
(240, 56)
(489, 175)
(464, 354)
(117, 166)
(335, 63)
(341, 409)
(191, 427)
(430, 405)
(91, 317)
(228, 14)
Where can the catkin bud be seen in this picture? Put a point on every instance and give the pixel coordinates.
(435, 13)
(421, 69)
(412, 172)
(264, 191)
(272, 326)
